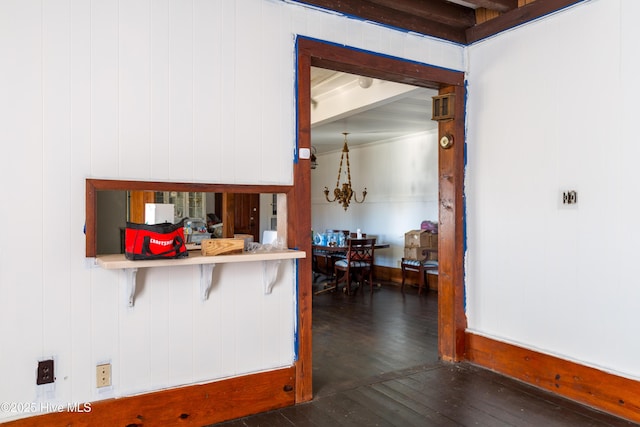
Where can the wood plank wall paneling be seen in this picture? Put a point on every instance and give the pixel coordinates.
(608, 392)
(167, 130)
(195, 405)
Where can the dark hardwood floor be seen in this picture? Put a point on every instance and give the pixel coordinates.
(375, 363)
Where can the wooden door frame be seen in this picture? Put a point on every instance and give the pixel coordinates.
(451, 315)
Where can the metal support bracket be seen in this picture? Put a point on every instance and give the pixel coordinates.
(271, 269)
(206, 280)
(131, 274)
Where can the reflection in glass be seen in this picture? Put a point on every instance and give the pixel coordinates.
(116, 207)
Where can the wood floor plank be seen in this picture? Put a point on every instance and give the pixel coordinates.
(395, 411)
(308, 414)
(375, 363)
(439, 393)
(346, 413)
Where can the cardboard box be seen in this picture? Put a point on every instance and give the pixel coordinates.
(420, 238)
(419, 253)
(414, 253)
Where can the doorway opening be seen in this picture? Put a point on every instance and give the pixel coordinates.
(451, 317)
(394, 148)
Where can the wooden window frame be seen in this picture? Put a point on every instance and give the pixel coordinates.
(95, 185)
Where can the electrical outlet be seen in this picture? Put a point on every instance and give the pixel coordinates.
(103, 375)
(45, 372)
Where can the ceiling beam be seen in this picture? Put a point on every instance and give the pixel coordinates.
(516, 17)
(501, 6)
(434, 10)
(387, 16)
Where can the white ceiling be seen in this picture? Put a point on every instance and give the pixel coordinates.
(384, 111)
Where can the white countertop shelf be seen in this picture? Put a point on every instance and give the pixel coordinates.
(117, 261)
(270, 260)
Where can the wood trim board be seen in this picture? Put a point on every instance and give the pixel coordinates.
(452, 319)
(590, 386)
(195, 405)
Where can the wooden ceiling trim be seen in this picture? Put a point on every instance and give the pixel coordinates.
(484, 15)
(501, 6)
(463, 22)
(515, 17)
(367, 10)
(434, 10)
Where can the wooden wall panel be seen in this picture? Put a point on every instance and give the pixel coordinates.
(181, 96)
(21, 278)
(123, 114)
(105, 154)
(79, 328)
(160, 103)
(134, 90)
(228, 108)
(208, 144)
(248, 91)
(56, 175)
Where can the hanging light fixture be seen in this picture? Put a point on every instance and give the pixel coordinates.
(344, 194)
(313, 158)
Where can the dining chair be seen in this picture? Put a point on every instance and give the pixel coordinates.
(421, 266)
(358, 263)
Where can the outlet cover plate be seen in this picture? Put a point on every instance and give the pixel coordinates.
(103, 375)
(45, 372)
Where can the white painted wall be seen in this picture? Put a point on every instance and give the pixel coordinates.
(401, 177)
(553, 106)
(145, 90)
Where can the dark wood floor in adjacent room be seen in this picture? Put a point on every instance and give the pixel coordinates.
(375, 363)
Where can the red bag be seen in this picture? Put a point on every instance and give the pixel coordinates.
(160, 241)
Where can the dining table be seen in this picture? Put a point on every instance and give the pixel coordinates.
(336, 248)
(330, 253)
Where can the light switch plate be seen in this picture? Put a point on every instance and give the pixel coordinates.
(568, 199)
(305, 153)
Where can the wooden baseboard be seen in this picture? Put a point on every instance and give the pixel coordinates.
(387, 274)
(602, 390)
(196, 405)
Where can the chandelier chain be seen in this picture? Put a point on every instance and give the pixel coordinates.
(344, 194)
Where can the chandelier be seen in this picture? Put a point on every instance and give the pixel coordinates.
(343, 195)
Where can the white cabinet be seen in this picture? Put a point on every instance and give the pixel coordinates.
(187, 204)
